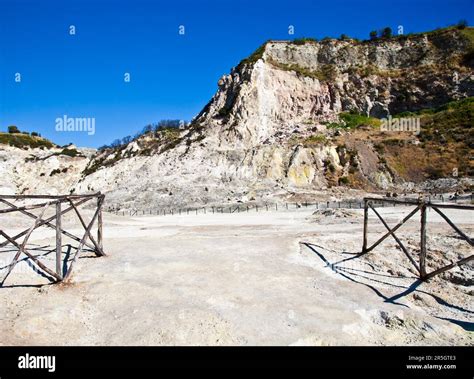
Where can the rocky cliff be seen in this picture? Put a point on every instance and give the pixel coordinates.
(299, 117)
(41, 170)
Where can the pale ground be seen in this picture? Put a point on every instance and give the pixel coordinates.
(272, 278)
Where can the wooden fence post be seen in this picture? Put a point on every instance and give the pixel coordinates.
(59, 244)
(366, 217)
(100, 201)
(423, 242)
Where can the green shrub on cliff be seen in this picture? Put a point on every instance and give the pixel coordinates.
(354, 120)
(24, 141)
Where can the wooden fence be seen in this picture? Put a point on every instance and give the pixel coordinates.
(422, 206)
(242, 207)
(71, 204)
(235, 208)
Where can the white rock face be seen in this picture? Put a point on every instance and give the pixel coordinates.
(40, 171)
(220, 175)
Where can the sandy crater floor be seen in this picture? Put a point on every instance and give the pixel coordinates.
(272, 278)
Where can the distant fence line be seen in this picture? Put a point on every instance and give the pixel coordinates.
(247, 208)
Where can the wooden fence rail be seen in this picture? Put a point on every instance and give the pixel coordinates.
(422, 206)
(71, 203)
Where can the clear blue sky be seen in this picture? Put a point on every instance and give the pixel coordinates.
(172, 76)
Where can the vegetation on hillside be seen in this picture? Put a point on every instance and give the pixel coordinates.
(468, 34)
(326, 72)
(252, 58)
(152, 139)
(156, 130)
(73, 153)
(24, 140)
(302, 41)
(70, 152)
(445, 144)
(351, 120)
(385, 33)
(451, 122)
(443, 148)
(315, 140)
